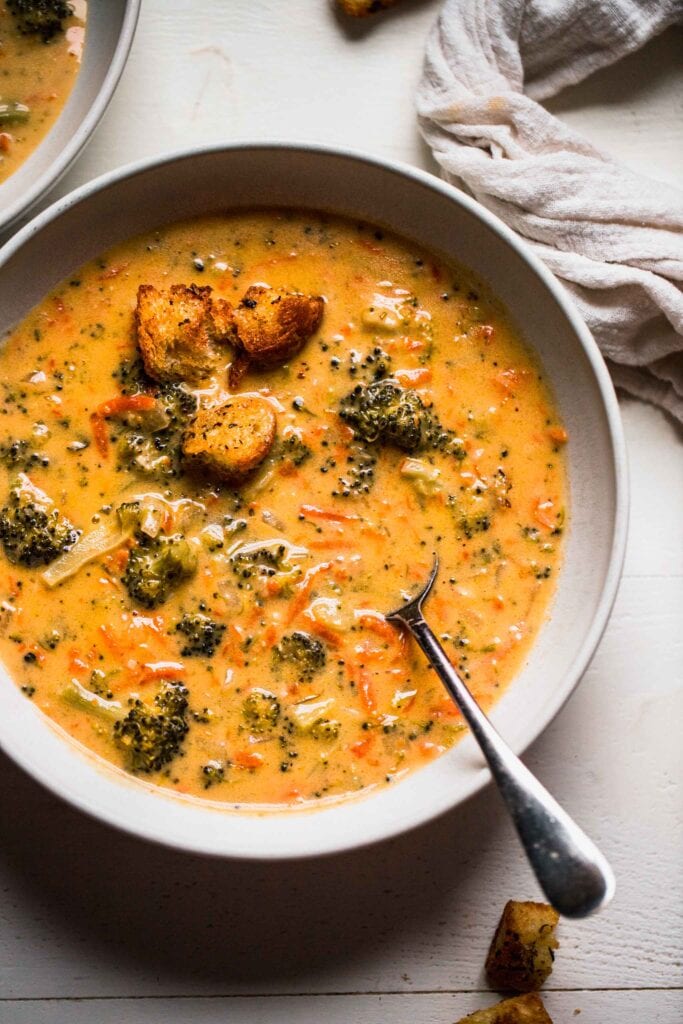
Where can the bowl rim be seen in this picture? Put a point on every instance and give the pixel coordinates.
(49, 179)
(289, 849)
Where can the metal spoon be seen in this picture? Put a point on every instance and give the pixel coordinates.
(572, 872)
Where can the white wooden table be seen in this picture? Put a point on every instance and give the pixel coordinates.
(97, 928)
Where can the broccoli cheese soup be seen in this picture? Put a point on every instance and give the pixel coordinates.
(227, 449)
(41, 42)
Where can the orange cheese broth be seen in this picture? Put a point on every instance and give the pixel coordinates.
(456, 346)
(38, 75)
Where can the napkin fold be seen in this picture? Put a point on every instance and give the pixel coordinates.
(615, 239)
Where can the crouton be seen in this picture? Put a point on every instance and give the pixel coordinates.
(361, 8)
(521, 954)
(238, 367)
(230, 440)
(272, 324)
(528, 1009)
(180, 331)
(222, 320)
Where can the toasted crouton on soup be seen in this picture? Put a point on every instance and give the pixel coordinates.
(521, 954)
(230, 440)
(272, 323)
(527, 1009)
(180, 331)
(361, 8)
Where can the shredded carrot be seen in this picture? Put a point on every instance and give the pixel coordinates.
(445, 709)
(366, 692)
(362, 747)
(508, 380)
(100, 434)
(558, 434)
(112, 642)
(313, 512)
(125, 403)
(233, 646)
(247, 759)
(543, 514)
(76, 663)
(334, 543)
(293, 793)
(303, 590)
(269, 637)
(364, 243)
(115, 561)
(114, 407)
(325, 632)
(161, 670)
(113, 271)
(414, 378)
(376, 623)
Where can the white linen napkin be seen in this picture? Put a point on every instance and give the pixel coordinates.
(614, 238)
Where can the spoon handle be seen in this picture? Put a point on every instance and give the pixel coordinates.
(572, 872)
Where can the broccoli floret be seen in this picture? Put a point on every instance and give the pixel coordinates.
(178, 404)
(42, 18)
(213, 772)
(152, 736)
(202, 635)
(359, 472)
(470, 525)
(304, 653)
(472, 520)
(20, 454)
(258, 561)
(261, 710)
(32, 529)
(385, 412)
(99, 684)
(293, 450)
(153, 447)
(324, 729)
(263, 558)
(145, 516)
(156, 566)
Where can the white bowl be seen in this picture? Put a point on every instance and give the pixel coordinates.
(138, 199)
(109, 33)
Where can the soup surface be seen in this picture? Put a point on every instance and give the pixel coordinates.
(209, 613)
(40, 55)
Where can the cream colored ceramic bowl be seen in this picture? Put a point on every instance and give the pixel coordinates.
(435, 215)
(109, 33)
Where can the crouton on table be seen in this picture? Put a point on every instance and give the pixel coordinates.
(230, 440)
(272, 324)
(527, 1009)
(521, 954)
(361, 8)
(181, 331)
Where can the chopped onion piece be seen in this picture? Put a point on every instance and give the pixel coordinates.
(100, 542)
